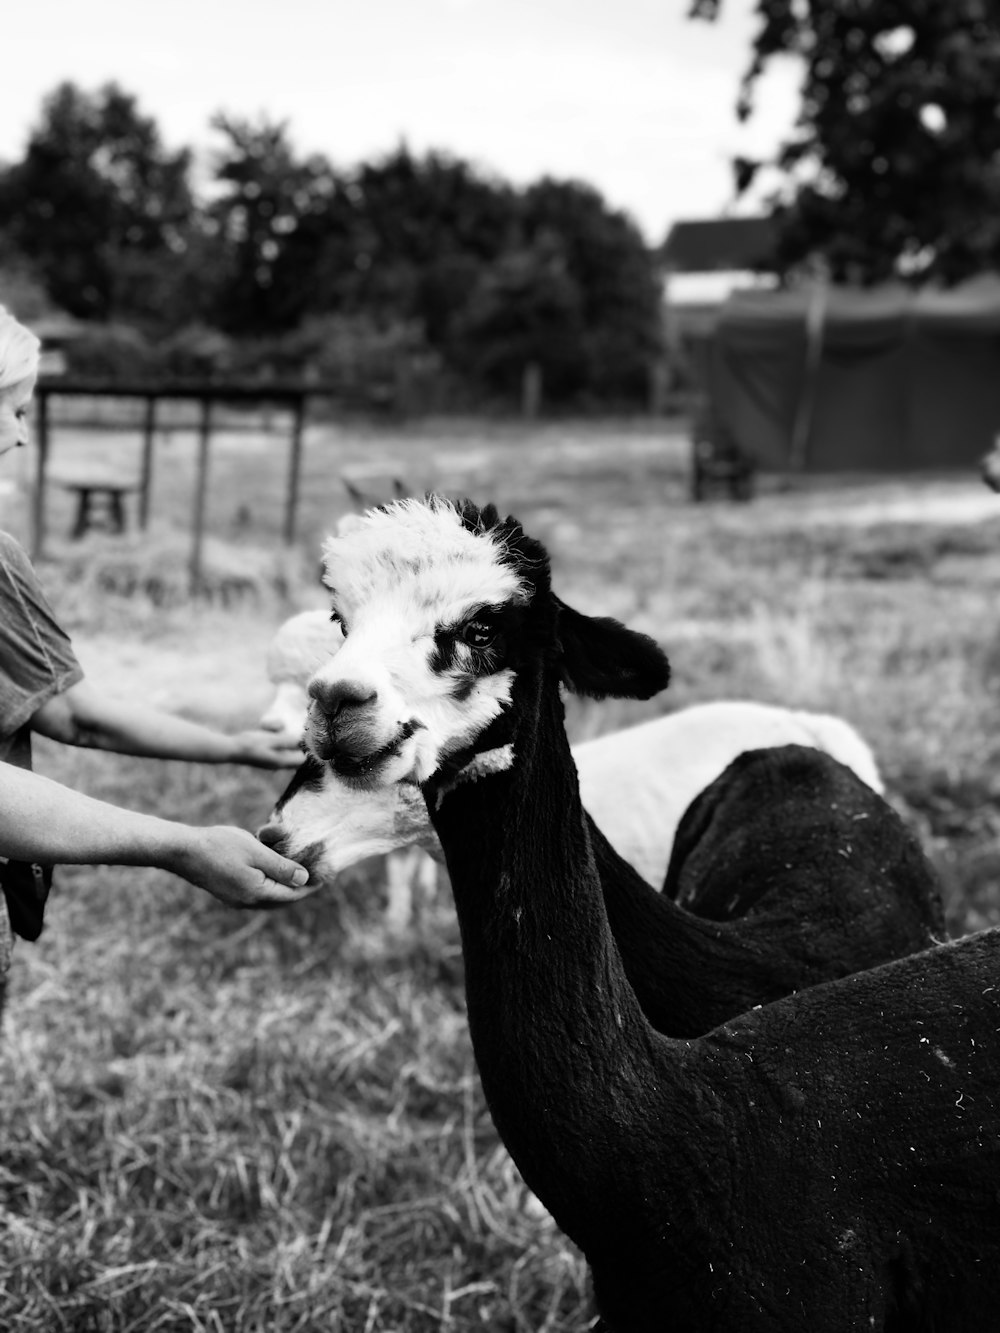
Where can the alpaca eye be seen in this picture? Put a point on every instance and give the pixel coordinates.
(337, 619)
(478, 633)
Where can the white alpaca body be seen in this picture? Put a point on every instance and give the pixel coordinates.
(636, 783)
(299, 647)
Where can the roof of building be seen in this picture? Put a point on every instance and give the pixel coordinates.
(718, 245)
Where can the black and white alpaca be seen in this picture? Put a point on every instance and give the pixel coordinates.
(635, 783)
(828, 1162)
(835, 884)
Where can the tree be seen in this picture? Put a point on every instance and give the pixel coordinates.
(22, 292)
(894, 165)
(265, 196)
(525, 312)
(97, 205)
(426, 228)
(618, 288)
(427, 255)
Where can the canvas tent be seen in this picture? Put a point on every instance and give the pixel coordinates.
(828, 379)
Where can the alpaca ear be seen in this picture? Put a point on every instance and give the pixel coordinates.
(601, 658)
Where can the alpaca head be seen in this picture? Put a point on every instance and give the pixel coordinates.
(448, 615)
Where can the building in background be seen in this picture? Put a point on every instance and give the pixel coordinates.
(703, 262)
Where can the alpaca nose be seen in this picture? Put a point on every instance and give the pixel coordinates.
(334, 697)
(270, 835)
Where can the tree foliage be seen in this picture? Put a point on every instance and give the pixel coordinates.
(98, 205)
(525, 310)
(424, 254)
(427, 226)
(894, 164)
(265, 196)
(615, 277)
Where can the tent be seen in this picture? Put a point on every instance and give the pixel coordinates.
(884, 379)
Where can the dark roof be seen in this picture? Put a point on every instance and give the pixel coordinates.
(720, 245)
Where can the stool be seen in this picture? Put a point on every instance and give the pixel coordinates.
(99, 505)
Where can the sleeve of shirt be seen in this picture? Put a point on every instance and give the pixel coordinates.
(37, 660)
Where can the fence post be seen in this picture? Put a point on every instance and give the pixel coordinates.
(145, 479)
(294, 469)
(531, 390)
(201, 489)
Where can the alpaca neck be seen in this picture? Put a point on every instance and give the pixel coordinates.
(688, 973)
(563, 1048)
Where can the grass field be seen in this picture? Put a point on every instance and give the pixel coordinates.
(219, 1121)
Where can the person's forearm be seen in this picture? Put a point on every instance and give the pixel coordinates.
(41, 820)
(131, 729)
(83, 716)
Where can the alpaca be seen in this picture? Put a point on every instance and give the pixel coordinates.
(830, 1161)
(636, 782)
(864, 896)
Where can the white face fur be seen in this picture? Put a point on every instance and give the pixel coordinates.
(332, 825)
(405, 581)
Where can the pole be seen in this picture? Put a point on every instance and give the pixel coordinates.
(200, 493)
(294, 469)
(805, 407)
(145, 478)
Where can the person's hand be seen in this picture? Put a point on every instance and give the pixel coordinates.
(263, 748)
(236, 868)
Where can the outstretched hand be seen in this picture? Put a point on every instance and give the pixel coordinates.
(263, 748)
(234, 867)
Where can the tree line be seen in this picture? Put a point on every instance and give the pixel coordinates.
(276, 260)
(280, 259)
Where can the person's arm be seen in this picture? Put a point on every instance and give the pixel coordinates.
(41, 820)
(82, 715)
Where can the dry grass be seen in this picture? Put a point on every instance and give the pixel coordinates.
(215, 1121)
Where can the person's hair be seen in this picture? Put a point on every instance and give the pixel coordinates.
(19, 351)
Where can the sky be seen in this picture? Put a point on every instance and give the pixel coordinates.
(628, 95)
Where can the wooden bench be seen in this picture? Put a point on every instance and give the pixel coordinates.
(100, 503)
